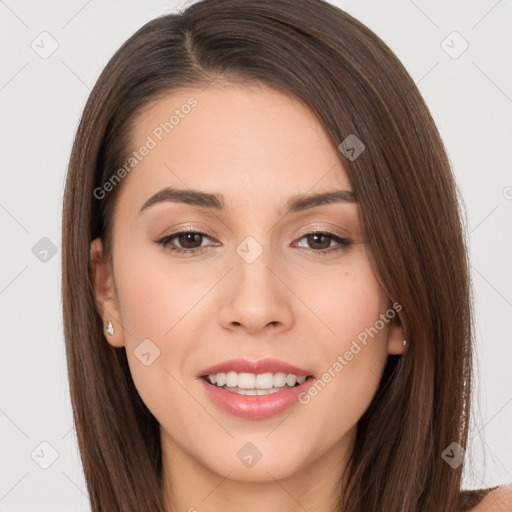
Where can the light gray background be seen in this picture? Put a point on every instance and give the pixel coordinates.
(41, 100)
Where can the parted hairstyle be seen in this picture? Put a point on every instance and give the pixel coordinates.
(410, 212)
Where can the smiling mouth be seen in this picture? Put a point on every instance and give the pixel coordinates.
(255, 384)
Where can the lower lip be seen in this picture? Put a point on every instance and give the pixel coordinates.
(255, 407)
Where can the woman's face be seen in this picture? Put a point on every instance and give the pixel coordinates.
(264, 281)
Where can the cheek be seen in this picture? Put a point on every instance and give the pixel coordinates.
(347, 303)
(158, 310)
(156, 307)
(155, 294)
(352, 347)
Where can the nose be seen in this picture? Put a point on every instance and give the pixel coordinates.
(256, 298)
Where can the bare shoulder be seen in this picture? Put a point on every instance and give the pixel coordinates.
(498, 500)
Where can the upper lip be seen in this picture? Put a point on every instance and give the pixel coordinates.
(267, 365)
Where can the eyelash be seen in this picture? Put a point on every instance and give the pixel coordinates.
(343, 243)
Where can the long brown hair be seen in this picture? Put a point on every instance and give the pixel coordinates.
(410, 213)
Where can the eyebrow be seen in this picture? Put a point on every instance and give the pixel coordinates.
(295, 204)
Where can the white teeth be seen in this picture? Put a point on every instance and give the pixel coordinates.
(264, 381)
(231, 379)
(241, 391)
(246, 381)
(251, 381)
(291, 379)
(279, 379)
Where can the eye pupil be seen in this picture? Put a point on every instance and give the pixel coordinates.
(312, 240)
(188, 238)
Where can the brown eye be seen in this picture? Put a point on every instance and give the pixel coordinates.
(314, 241)
(320, 242)
(184, 242)
(189, 240)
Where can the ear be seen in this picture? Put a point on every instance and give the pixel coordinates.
(106, 300)
(396, 337)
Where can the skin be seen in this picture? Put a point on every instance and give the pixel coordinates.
(498, 500)
(258, 148)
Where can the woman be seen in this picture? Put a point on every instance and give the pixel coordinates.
(265, 285)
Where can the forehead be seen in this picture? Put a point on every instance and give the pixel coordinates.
(238, 140)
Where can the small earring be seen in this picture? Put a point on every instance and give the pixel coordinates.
(109, 328)
(404, 343)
